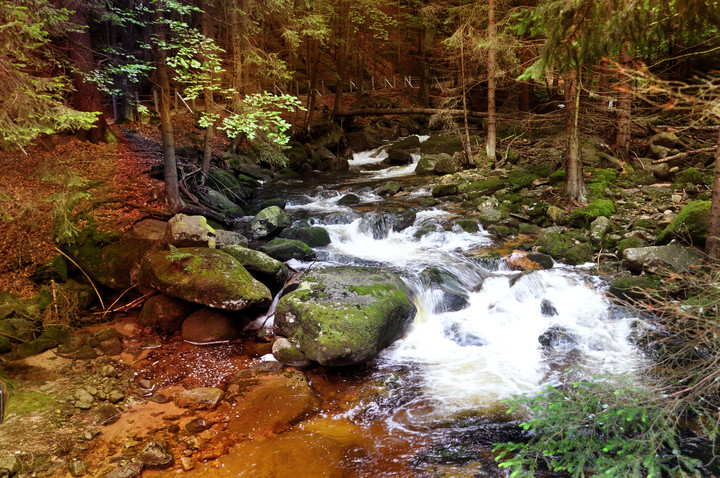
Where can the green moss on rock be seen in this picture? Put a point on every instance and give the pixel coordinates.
(691, 224)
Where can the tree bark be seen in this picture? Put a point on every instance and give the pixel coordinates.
(624, 102)
(341, 53)
(712, 245)
(574, 181)
(86, 96)
(209, 109)
(466, 140)
(172, 191)
(491, 118)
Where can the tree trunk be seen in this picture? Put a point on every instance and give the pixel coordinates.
(172, 191)
(492, 119)
(209, 108)
(341, 54)
(466, 140)
(86, 96)
(312, 94)
(624, 102)
(712, 245)
(574, 182)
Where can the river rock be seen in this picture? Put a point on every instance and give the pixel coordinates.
(205, 276)
(557, 336)
(557, 216)
(344, 315)
(563, 247)
(286, 249)
(201, 398)
(269, 399)
(133, 469)
(164, 312)
(11, 464)
(666, 140)
(390, 188)
(600, 228)
(399, 157)
(269, 221)
(313, 236)
(426, 165)
(651, 259)
(224, 203)
(229, 238)
(349, 200)
(285, 352)
(690, 225)
(189, 231)
(263, 267)
(237, 189)
(452, 296)
(409, 143)
(381, 223)
(157, 454)
(197, 425)
(442, 190)
(447, 143)
(208, 326)
(77, 468)
(633, 288)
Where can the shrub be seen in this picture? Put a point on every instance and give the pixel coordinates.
(606, 427)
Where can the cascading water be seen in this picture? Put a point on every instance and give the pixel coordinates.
(476, 339)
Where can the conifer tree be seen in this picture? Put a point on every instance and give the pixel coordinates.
(32, 92)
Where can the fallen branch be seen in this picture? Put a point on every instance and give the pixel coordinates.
(684, 155)
(85, 274)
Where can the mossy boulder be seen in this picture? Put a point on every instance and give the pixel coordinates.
(269, 221)
(442, 190)
(630, 242)
(689, 175)
(205, 326)
(112, 260)
(583, 216)
(313, 236)
(468, 225)
(427, 163)
(55, 269)
(411, 142)
(447, 143)
(690, 225)
(286, 249)
(231, 187)
(204, 276)
(390, 188)
(447, 164)
(263, 267)
(224, 203)
(564, 247)
(634, 287)
(345, 315)
(485, 187)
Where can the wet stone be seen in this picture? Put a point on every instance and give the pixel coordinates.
(11, 464)
(108, 371)
(77, 468)
(547, 309)
(111, 347)
(197, 425)
(130, 470)
(160, 397)
(199, 398)
(157, 454)
(106, 414)
(115, 396)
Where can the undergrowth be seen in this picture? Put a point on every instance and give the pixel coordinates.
(606, 427)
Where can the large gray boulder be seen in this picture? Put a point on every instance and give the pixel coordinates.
(651, 259)
(268, 222)
(344, 315)
(204, 276)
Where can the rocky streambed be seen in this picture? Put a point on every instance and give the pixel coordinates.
(467, 268)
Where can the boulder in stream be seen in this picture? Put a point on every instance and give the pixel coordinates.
(204, 276)
(345, 315)
(650, 259)
(189, 231)
(269, 221)
(313, 236)
(264, 268)
(286, 249)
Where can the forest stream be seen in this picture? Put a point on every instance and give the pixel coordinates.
(432, 403)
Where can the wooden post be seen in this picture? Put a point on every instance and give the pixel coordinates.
(155, 100)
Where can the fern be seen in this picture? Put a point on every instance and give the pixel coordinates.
(72, 191)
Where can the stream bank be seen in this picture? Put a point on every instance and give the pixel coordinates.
(345, 445)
